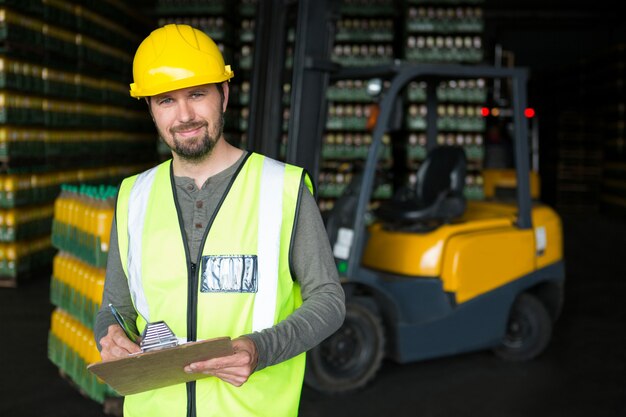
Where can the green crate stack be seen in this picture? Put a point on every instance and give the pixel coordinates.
(288, 76)
(80, 231)
(579, 166)
(241, 83)
(365, 33)
(223, 21)
(579, 136)
(444, 31)
(81, 223)
(447, 32)
(66, 118)
(613, 194)
(71, 347)
(591, 139)
(364, 36)
(239, 118)
(64, 71)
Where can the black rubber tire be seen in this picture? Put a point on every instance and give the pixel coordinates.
(528, 332)
(349, 358)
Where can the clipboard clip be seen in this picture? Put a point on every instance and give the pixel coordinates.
(157, 336)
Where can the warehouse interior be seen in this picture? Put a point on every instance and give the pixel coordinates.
(70, 132)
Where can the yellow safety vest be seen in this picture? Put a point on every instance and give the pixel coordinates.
(242, 284)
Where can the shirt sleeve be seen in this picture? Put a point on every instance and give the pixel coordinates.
(323, 308)
(116, 291)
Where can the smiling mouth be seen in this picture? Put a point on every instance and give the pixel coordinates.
(188, 131)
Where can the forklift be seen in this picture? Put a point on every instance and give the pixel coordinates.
(429, 273)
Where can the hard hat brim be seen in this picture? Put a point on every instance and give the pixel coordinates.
(154, 90)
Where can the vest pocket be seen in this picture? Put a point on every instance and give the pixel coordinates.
(229, 273)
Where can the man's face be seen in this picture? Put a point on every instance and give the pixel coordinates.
(190, 121)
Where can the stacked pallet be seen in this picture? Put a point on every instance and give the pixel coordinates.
(447, 32)
(65, 115)
(591, 151)
(375, 32)
(80, 231)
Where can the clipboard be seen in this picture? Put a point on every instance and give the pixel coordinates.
(159, 368)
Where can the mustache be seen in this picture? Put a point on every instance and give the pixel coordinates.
(188, 126)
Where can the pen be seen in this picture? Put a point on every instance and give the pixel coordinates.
(124, 324)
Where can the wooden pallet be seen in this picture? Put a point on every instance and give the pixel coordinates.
(13, 281)
(8, 282)
(112, 406)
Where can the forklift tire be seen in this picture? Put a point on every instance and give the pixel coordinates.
(528, 330)
(349, 358)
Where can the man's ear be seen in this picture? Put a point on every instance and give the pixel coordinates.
(226, 91)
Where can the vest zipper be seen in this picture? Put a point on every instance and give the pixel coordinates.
(192, 307)
(192, 303)
(192, 297)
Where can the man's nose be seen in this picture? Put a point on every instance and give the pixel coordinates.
(185, 111)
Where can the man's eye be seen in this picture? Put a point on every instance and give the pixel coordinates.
(197, 95)
(166, 100)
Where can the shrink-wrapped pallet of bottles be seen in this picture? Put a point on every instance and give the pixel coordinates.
(377, 32)
(67, 125)
(65, 115)
(365, 36)
(71, 347)
(590, 156)
(26, 207)
(82, 222)
(80, 231)
(447, 32)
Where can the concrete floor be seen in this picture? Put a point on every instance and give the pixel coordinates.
(582, 373)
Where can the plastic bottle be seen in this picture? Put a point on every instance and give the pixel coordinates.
(103, 225)
(89, 225)
(92, 278)
(53, 340)
(71, 218)
(96, 292)
(54, 280)
(59, 217)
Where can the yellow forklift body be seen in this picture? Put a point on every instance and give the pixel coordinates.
(548, 236)
(478, 262)
(418, 254)
(548, 244)
(480, 252)
(497, 179)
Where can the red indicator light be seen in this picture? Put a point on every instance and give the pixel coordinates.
(529, 112)
(484, 111)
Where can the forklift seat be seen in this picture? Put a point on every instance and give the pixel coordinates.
(438, 193)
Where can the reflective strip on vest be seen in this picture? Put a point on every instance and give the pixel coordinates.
(137, 203)
(268, 247)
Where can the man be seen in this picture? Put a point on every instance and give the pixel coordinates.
(216, 242)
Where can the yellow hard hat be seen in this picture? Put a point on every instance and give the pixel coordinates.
(174, 57)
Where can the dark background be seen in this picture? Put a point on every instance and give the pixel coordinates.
(582, 373)
(564, 45)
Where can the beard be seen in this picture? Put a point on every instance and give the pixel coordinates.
(195, 149)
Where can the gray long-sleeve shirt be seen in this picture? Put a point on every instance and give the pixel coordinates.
(323, 309)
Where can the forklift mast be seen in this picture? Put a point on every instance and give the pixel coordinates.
(314, 34)
(312, 71)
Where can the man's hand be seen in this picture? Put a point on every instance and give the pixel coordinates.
(116, 345)
(234, 369)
